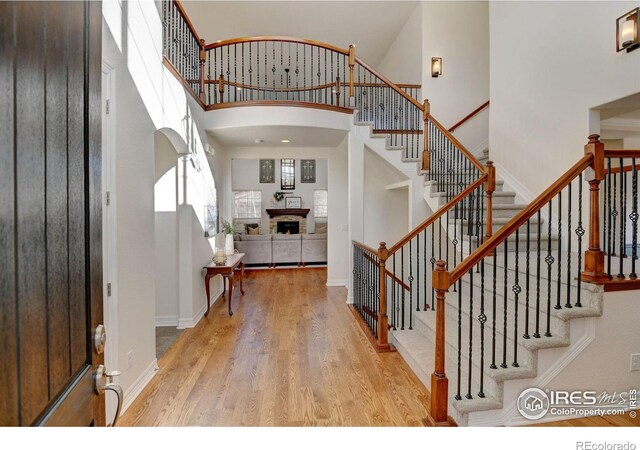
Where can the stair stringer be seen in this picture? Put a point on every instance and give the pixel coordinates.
(551, 362)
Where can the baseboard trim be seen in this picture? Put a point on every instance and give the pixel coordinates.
(166, 321)
(337, 282)
(522, 192)
(190, 322)
(139, 384)
(479, 149)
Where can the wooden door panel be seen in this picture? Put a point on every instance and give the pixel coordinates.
(9, 414)
(30, 212)
(56, 195)
(50, 212)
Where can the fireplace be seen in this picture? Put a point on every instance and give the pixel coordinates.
(288, 227)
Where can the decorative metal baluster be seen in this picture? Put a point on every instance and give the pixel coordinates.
(634, 219)
(274, 94)
(538, 263)
(459, 378)
(549, 260)
(424, 265)
(505, 246)
(410, 286)
(471, 319)
(394, 307)
(623, 218)
(482, 318)
(569, 211)
(493, 309)
(418, 272)
(516, 291)
(614, 212)
(559, 281)
(402, 278)
(609, 216)
(579, 232)
(433, 264)
(527, 282)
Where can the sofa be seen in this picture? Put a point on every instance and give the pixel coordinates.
(314, 248)
(286, 248)
(267, 249)
(257, 248)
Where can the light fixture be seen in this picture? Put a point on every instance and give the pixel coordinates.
(285, 141)
(436, 67)
(627, 31)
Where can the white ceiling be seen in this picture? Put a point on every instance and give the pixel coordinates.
(272, 135)
(371, 25)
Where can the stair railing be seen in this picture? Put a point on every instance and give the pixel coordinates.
(530, 267)
(469, 116)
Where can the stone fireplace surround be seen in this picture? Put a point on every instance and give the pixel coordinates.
(287, 215)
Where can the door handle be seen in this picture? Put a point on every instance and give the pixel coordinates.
(104, 382)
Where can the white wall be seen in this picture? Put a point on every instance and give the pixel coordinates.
(147, 98)
(386, 212)
(550, 63)
(458, 32)
(245, 175)
(337, 239)
(403, 61)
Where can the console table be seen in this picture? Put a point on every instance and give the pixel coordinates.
(233, 264)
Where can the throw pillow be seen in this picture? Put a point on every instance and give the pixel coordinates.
(251, 226)
(253, 231)
(321, 228)
(239, 228)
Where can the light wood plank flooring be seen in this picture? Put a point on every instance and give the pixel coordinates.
(291, 355)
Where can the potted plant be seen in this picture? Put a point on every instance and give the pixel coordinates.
(227, 229)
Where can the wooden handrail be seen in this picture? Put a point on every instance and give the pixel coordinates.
(457, 144)
(395, 87)
(622, 153)
(242, 40)
(628, 168)
(184, 15)
(299, 88)
(182, 81)
(397, 131)
(288, 103)
(365, 248)
(469, 116)
(507, 230)
(439, 213)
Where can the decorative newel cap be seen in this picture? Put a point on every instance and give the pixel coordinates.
(594, 138)
(490, 163)
(441, 266)
(383, 245)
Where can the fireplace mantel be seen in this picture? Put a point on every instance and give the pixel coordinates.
(287, 212)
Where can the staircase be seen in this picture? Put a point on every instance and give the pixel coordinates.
(483, 298)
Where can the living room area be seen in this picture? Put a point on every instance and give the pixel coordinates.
(280, 211)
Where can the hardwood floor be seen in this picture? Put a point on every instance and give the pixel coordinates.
(291, 355)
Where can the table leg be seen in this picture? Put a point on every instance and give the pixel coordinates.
(230, 292)
(206, 289)
(241, 277)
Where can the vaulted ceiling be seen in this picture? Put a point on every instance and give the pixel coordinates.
(371, 25)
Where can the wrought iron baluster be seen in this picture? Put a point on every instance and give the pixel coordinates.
(516, 291)
(410, 285)
(527, 282)
(623, 218)
(559, 281)
(579, 232)
(549, 260)
(482, 318)
(634, 219)
(402, 278)
(493, 309)
(459, 377)
(505, 246)
(569, 213)
(471, 319)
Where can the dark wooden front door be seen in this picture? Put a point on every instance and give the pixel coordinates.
(50, 212)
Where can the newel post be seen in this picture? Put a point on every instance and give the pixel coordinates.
(425, 135)
(439, 382)
(383, 320)
(203, 59)
(594, 256)
(489, 189)
(352, 63)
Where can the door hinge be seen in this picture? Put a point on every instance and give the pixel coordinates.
(108, 289)
(107, 103)
(108, 198)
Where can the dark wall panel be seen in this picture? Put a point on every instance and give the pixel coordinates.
(9, 411)
(31, 235)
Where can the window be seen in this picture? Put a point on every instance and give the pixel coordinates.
(247, 204)
(288, 174)
(320, 207)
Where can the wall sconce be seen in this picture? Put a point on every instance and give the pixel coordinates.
(627, 31)
(436, 67)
